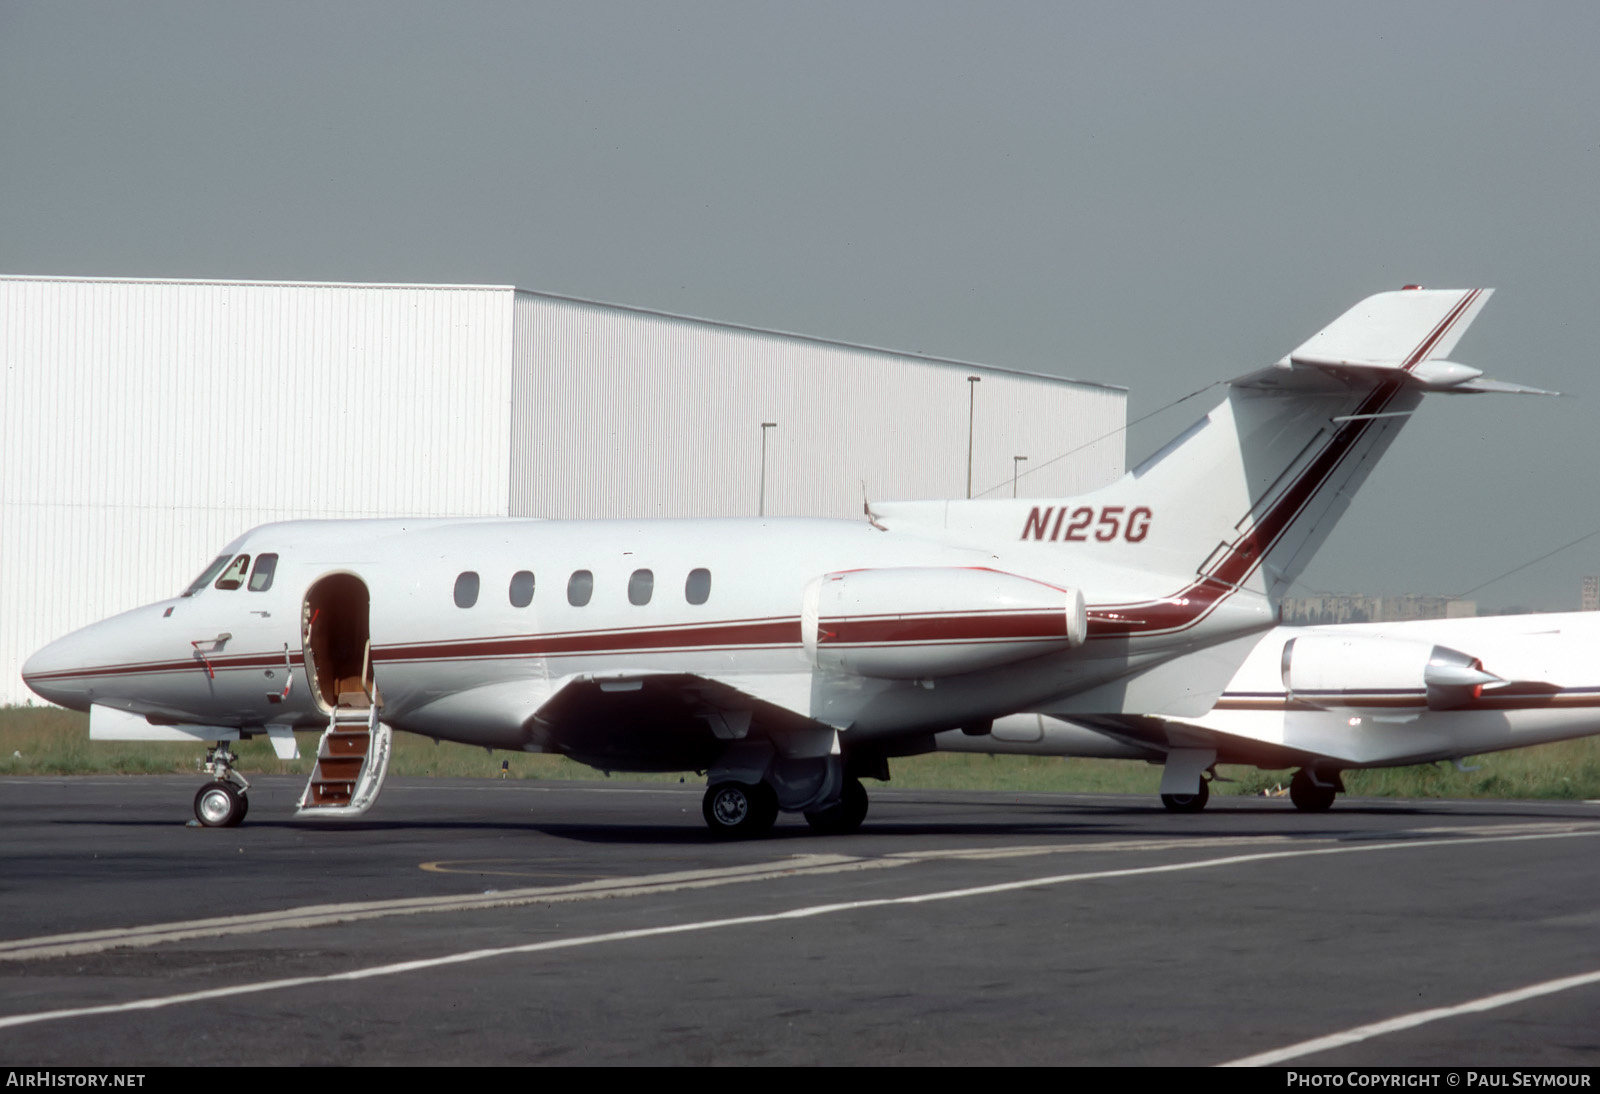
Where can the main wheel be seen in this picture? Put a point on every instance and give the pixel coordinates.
(219, 805)
(1188, 803)
(1308, 796)
(843, 816)
(739, 810)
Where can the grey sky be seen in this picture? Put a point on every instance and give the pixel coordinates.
(1155, 195)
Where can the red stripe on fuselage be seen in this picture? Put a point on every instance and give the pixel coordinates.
(966, 627)
(743, 634)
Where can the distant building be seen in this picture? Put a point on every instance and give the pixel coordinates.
(1359, 608)
(1591, 594)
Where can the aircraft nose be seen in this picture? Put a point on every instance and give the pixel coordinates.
(78, 670)
(53, 673)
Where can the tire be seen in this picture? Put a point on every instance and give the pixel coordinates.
(1188, 803)
(219, 805)
(735, 810)
(1307, 796)
(843, 816)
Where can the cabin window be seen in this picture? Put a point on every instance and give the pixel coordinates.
(697, 590)
(206, 578)
(233, 576)
(466, 589)
(640, 586)
(261, 576)
(521, 588)
(580, 587)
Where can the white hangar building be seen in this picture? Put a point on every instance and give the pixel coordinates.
(145, 423)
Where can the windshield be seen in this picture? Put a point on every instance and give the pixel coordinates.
(211, 571)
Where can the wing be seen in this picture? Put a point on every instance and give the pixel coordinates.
(675, 721)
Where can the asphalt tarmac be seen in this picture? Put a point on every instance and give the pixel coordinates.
(481, 922)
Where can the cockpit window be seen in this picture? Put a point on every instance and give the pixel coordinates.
(261, 576)
(233, 576)
(211, 571)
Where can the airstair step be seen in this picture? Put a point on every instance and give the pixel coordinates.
(331, 793)
(345, 744)
(339, 768)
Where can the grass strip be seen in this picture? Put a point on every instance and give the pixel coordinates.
(51, 741)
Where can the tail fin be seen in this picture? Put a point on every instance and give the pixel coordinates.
(1244, 497)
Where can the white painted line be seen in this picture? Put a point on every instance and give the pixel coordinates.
(1411, 1021)
(808, 912)
(322, 915)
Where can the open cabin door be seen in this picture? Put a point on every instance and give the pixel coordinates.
(336, 637)
(353, 755)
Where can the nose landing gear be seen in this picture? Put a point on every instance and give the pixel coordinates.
(223, 802)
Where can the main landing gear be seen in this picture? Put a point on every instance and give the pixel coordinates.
(1189, 803)
(223, 802)
(1312, 792)
(843, 816)
(737, 810)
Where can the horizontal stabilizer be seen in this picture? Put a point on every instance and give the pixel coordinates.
(1397, 329)
(1500, 387)
(1403, 336)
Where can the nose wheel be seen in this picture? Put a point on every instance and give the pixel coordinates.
(224, 801)
(220, 805)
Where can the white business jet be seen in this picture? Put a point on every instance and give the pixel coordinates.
(1359, 695)
(786, 658)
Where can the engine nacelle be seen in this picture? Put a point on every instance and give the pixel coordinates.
(922, 622)
(1364, 671)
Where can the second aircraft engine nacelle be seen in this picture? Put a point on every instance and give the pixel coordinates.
(1356, 671)
(916, 623)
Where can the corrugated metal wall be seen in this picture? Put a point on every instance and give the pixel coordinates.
(627, 413)
(144, 424)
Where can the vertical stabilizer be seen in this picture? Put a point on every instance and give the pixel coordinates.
(1244, 497)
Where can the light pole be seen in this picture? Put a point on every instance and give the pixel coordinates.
(761, 506)
(1015, 460)
(972, 402)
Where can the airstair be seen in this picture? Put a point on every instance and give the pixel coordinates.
(353, 755)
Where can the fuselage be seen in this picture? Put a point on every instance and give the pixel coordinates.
(1548, 665)
(1365, 701)
(454, 607)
